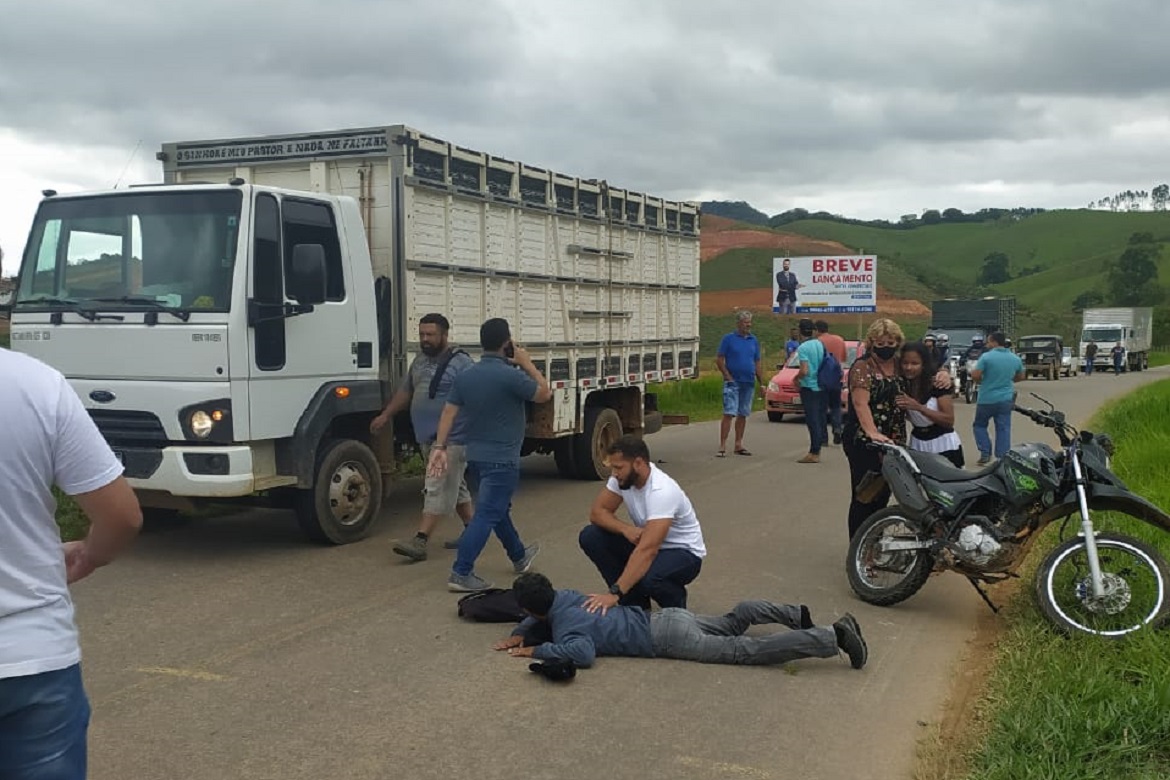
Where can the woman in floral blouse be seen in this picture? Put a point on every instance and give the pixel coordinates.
(875, 382)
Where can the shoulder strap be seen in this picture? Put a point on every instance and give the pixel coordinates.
(442, 369)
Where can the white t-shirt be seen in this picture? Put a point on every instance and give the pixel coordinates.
(659, 499)
(46, 438)
(945, 443)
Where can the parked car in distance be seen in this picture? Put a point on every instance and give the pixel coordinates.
(783, 396)
(1070, 364)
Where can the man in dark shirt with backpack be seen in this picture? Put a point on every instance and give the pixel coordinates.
(429, 380)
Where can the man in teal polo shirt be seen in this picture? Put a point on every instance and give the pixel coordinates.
(738, 360)
(996, 372)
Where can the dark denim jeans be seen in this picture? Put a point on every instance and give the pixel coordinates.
(494, 485)
(43, 723)
(813, 402)
(1002, 414)
(833, 401)
(666, 581)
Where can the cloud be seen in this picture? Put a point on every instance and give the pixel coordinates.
(871, 109)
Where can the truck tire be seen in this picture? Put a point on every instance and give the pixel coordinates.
(1055, 373)
(602, 428)
(346, 495)
(775, 416)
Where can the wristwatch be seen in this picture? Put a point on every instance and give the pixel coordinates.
(615, 589)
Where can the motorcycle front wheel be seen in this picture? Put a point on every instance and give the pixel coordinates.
(1135, 578)
(884, 577)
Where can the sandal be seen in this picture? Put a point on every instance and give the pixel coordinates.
(721, 454)
(742, 451)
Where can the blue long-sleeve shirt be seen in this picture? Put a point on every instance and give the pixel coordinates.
(580, 636)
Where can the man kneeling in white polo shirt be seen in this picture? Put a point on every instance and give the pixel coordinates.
(661, 550)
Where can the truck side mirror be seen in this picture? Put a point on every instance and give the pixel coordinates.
(307, 284)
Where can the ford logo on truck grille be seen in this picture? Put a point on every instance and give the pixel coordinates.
(102, 396)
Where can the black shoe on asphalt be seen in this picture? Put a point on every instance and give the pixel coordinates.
(836, 437)
(806, 620)
(849, 640)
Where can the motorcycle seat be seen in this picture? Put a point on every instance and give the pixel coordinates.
(938, 467)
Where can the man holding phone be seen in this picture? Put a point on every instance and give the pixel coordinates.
(490, 399)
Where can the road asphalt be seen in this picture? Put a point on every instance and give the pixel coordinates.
(230, 648)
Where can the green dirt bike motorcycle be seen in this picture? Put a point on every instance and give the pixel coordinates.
(981, 524)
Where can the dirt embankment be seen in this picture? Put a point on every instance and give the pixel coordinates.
(720, 235)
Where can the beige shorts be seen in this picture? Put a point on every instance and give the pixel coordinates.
(442, 494)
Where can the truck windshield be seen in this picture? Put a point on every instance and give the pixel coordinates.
(1101, 334)
(1037, 344)
(138, 250)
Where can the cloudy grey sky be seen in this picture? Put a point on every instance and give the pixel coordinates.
(861, 108)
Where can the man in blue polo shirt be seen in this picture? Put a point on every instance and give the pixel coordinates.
(738, 360)
(489, 398)
(996, 372)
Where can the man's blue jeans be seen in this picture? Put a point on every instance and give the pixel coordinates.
(43, 723)
(1002, 414)
(493, 513)
(665, 582)
(815, 412)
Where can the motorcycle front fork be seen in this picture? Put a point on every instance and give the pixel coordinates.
(1087, 531)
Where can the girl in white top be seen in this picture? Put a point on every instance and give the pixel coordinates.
(931, 412)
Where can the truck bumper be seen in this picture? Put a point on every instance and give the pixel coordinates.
(197, 472)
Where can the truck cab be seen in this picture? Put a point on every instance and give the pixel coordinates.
(223, 338)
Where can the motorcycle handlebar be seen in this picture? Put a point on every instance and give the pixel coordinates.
(1040, 418)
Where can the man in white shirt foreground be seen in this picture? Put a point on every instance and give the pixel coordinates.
(661, 550)
(49, 439)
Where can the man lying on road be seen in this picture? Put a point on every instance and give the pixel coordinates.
(584, 627)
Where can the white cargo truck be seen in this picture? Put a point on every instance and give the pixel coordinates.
(1131, 326)
(233, 330)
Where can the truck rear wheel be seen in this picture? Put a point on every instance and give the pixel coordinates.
(602, 428)
(346, 495)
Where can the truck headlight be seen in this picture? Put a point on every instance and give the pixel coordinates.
(201, 424)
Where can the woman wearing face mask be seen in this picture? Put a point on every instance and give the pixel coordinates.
(873, 414)
(929, 410)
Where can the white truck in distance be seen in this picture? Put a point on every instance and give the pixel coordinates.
(233, 330)
(1132, 326)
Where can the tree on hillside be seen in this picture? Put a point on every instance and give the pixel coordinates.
(931, 217)
(1133, 279)
(1087, 300)
(1160, 197)
(739, 210)
(996, 269)
(953, 215)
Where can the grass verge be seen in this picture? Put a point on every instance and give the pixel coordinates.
(700, 399)
(1159, 359)
(1080, 707)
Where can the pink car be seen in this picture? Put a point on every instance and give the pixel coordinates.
(783, 396)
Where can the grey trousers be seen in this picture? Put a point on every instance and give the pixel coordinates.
(679, 633)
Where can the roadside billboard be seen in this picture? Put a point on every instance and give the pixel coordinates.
(840, 284)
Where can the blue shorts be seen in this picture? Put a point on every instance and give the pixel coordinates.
(737, 398)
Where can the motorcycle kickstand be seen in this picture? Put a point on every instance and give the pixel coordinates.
(983, 594)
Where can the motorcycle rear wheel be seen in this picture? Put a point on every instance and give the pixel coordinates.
(868, 566)
(1135, 576)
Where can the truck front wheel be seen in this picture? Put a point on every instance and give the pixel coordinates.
(346, 495)
(602, 428)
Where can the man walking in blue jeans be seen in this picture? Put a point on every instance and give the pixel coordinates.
(49, 439)
(738, 359)
(492, 395)
(996, 372)
(811, 353)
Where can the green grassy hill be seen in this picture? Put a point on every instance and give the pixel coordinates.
(1070, 248)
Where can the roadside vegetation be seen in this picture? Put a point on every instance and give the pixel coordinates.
(1082, 708)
